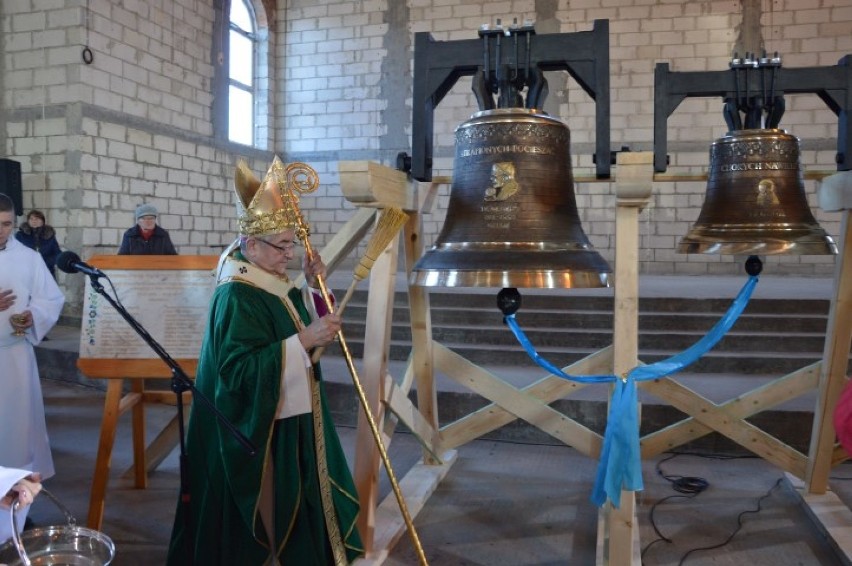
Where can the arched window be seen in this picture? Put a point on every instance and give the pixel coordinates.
(242, 65)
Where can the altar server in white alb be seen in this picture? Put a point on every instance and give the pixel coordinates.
(30, 304)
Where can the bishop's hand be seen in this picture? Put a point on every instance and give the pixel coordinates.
(320, 332)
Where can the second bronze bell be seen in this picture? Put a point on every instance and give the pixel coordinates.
(755, 202)
(512, 217)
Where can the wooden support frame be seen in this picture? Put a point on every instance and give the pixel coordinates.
(829, 513)
(618, 528)
(618, 536)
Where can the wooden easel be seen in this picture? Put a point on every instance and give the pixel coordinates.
(136, 370)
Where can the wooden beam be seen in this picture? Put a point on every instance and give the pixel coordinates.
(548, 389)
(401, 406)
(835, 359)
(367, 183)
(374, 369)
(759, 399)
(344, 241)
(417, 486)
(518, 403)
(634, 183)
(743, 433)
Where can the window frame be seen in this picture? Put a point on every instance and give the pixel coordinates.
(233, 83)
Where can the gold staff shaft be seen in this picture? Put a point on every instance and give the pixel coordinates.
(363, 399)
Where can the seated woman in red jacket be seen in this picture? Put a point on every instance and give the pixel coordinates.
(146, 237)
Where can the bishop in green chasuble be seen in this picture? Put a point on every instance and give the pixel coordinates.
(294, 502)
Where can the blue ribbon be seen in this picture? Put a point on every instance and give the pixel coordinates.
(620, 467)
(620, 463)
(705, 344)
(531, 351)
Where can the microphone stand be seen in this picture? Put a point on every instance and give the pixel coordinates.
(180, 383)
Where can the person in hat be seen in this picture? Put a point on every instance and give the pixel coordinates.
(294, 502)
(146, 237)
(36, 234)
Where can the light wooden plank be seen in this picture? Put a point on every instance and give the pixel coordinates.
(367, 183)
(811, 175)
(548, 389)
(835, 362)
(128, 402)
(520, 404)
(344, 241)
(404, 387)
(374, 368)
(421, 364)
(633, 190)
(417, 486)
(830, 516)
(743, 433)
(404, 410)
(750, 403)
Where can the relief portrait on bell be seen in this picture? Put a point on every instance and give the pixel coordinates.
(766, 194)
(503, 182)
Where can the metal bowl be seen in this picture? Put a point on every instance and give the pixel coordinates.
(60, 546)
(64, 545)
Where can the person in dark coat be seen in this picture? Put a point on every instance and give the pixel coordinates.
(147, 237)
(37, 235)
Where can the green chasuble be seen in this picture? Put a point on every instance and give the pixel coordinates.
(239, 371)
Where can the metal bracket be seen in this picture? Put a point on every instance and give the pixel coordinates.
(438, 65)
(833, 85)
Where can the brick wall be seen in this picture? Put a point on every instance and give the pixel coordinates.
(137, 125)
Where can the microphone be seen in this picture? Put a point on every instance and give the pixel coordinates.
(69, 262)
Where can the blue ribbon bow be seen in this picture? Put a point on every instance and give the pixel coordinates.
(619, 467)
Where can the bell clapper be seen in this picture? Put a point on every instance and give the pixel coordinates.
(753, 265)
(508, 301)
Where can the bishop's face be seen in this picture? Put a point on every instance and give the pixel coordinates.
(7, 224)
(272, 253)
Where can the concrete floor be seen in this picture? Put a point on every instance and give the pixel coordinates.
(500, 504)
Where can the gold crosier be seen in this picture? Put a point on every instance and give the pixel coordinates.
(300, 178)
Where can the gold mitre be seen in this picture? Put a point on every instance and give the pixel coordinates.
(265, 207)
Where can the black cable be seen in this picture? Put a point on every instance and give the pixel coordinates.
(739, 524)
(691, 487)
(682, 484)
(687, 485)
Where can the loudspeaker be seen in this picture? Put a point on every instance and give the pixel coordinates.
(10, 183)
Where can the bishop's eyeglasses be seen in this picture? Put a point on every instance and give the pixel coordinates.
(288, 247)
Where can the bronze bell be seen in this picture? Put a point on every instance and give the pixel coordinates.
(755, 202)
(512, 217)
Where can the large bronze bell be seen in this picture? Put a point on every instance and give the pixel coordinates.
(755, 202)
(512, 217)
